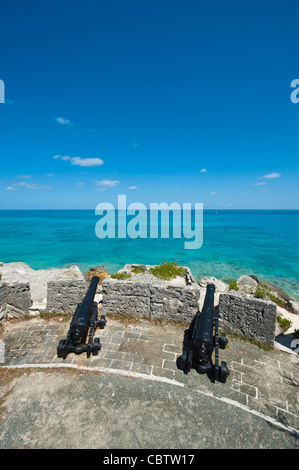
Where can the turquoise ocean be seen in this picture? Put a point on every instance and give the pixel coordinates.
(235, 242)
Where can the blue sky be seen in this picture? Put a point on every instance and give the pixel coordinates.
(163, 101)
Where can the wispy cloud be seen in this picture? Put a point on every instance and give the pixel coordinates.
(78, 161)
(203, 170)
(80, 184)
(213, 194)
(63, 122)
(86, 161)
(26, 185)
(135, 144)
(259, 184)
(23, 177)
(61, 157)
(272, 175)
(132, 187)
(107, 183)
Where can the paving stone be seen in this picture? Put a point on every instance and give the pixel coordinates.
(244, 388)
(121, 365)
(141, 368)
(100, 361)
(265, 408)
(173, 348)
(160, 372)
(288, 418)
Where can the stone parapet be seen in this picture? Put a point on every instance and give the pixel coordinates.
(15, 299)
(63, 296)
(144, 295)
(246, 316)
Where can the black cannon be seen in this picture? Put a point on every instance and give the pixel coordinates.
(203, 339)
(84, 322)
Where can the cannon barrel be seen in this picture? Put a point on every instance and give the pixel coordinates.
(202, 339)
(80, 322)
(204, 335)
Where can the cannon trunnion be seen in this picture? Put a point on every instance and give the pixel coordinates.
(84, 323)
(203, 339)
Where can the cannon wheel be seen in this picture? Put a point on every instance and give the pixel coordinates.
(96, 346)
(223, 341)
(189, 361)
(61, 348)
(183, 360)
(223, 372)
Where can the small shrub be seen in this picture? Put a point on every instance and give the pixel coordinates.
(121, 276)
(261, 292)
(277, 300)
(0, 276)
(139, 269)
(168, 270)
(284, 323)
(233, 285)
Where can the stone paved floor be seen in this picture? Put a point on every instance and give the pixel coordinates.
(262, 382)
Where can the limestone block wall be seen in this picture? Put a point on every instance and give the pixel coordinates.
(144, 295)
(15, 299)
(63, 296)
(247, 316)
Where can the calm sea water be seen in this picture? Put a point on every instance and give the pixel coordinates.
(264, 243)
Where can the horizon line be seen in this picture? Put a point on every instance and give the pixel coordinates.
(93, 209)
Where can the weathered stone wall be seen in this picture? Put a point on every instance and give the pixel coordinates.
(63, 296)
(143, 295)
(246, 316)
(15, 299)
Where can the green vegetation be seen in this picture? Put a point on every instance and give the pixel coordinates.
(139, 269)
(168, 270)
(284, 323)
(233, 285)
(0, 276)
(121, 276)
(261, 292)
(277, 301)
(247, 339)
(60, 316)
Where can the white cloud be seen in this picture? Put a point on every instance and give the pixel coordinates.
(23, 177)
(213, 194)
(258, 184)
(50, 174)
(64, 122)
(80, 184)
(203, 170)
(25, 184)
(107, 183)
(132, 187)
(86, 161)
(272, 175)
(61, 157)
